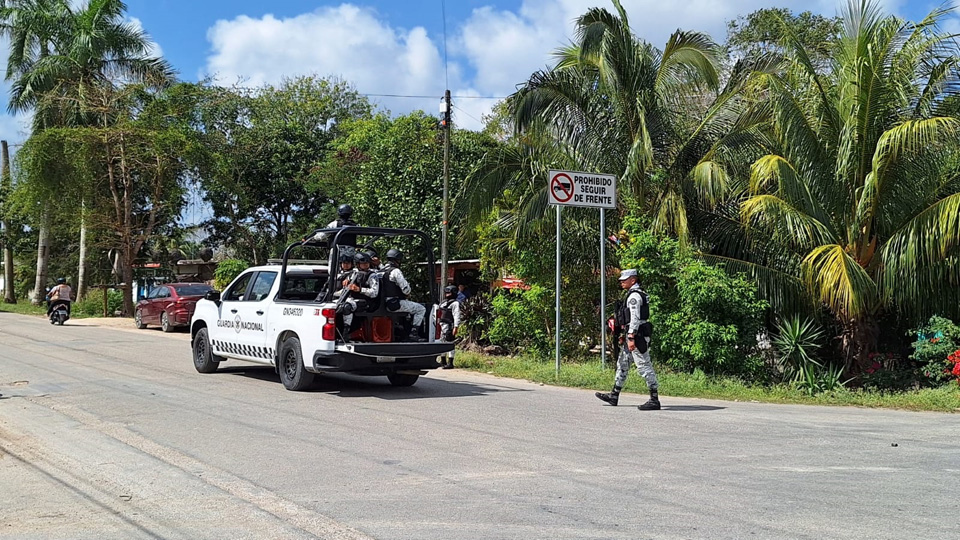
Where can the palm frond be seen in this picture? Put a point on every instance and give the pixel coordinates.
(833, 277)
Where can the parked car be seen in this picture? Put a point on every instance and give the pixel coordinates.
(169, 305)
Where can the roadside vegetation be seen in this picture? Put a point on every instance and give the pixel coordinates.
(591, 375)
(789, 196)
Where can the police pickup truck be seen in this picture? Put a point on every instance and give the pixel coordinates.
(288, 316)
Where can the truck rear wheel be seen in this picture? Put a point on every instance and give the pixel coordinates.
(203, 358)
(402, 379)
(293, 374)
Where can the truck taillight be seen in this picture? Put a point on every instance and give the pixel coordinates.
(329, 332)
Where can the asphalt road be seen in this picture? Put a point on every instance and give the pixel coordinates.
(110, 433)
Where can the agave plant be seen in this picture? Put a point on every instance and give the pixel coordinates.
(796, 343)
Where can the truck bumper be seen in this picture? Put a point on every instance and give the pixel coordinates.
(380, 358)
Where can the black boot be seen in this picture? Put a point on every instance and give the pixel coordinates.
(612, 398)
(652, 404)
(447, 364)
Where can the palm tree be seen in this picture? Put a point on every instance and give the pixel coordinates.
(615, 104)
(66, 63)
(32, 26)
(860, 205)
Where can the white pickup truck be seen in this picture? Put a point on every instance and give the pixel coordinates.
(286, 316)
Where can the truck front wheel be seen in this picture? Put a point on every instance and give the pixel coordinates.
(402, 379)
(293, 374)
(203, 358)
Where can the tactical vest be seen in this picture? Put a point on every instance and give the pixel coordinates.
(446, 314)
(347, 239)
(362, 279)
(389, 289)
(622, 317)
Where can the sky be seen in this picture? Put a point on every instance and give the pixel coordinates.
(479, 49)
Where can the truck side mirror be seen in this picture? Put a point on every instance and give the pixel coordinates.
(213, 296)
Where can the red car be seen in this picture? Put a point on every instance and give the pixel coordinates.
(169, 305)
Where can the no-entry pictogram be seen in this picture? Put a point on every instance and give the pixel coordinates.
(561, 188)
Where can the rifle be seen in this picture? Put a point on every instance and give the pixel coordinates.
(615, 333)
(345, 291)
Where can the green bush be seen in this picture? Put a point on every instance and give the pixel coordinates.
(715, 326)
(517, 320)
(226, 271)
(92, 304)
(703, 318)
(935, 341)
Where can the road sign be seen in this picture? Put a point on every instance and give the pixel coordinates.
(575, 188)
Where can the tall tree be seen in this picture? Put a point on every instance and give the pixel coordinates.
(9, 294)
(33, 28)
(861, 203)
(263, 145)
(61, 58)
(761, 33)
(658, 119)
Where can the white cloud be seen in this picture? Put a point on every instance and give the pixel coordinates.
(154, 49)
(345, 41)
(491, 52)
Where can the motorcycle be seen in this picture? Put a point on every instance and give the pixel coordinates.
(60, 314)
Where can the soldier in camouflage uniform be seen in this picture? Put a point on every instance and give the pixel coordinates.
(631, 319)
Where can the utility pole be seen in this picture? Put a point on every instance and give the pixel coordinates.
(445, 124)
(9, 295)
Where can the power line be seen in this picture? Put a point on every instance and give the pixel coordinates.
(466, 113)
(431, 97)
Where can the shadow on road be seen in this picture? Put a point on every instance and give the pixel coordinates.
(352, 386)
(691, 408)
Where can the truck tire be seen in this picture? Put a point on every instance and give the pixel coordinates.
(203, 358)
(402, 379)
(293, 374)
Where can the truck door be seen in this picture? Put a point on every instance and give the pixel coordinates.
(250, 319)
(225, 333)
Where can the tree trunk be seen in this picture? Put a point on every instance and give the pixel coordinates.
(9, 293)
(43, 253)
(858, 340)
(82, 265)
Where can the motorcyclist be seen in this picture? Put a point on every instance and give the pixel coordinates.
(59, 294)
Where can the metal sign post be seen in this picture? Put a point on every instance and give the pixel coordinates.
(603, 289)
(558, 291)
(589, 190)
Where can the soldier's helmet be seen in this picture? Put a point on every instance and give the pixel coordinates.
(395, 255)
(61, 281)
(346, 255)
(345, 211)
(450, 290)
(362, 257)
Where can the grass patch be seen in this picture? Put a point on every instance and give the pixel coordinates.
(23, 308)
(591, 375)
(26, 308)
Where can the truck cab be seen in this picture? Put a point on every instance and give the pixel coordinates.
(288, 315)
